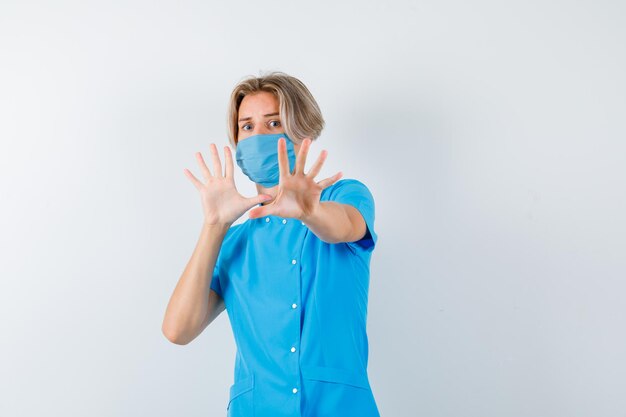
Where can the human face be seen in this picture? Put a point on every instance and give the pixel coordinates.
(259, 114)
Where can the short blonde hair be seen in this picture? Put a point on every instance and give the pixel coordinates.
(299, 113)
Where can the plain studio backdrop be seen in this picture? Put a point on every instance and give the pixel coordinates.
(491, 135)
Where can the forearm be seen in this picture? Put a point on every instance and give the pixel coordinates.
(330, 222)
(189, 303)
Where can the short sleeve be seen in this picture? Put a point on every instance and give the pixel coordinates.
(220, 275)
(215, 280)
(355, 193)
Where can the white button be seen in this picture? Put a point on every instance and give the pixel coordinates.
(293, 349)
(267, 219)
(294, 305)
(293, 261)
(284, 221)
(295, 390)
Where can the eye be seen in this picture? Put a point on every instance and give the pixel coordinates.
(274, 123)
(245, 127)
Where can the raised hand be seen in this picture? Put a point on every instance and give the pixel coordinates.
(222, 203)
(298, 193)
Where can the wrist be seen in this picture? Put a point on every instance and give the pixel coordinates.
(312, 213)
(222, 227)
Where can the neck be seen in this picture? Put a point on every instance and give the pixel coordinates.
(269, 191)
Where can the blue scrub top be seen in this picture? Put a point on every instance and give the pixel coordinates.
(298, 308)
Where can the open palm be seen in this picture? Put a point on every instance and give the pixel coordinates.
(222, 203)
(298, 193)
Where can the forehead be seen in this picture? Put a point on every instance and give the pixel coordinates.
(261, 102)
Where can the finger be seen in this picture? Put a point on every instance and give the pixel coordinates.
(205, 169)
(315, 169)
(261, 211)
(301, 157)
(196, 182)
(228, 157)
(327, 182)
(258, 199)
(283, 160)
(217, 164)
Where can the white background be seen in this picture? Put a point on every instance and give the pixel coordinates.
(491, 135)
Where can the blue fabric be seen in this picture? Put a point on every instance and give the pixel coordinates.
(257, 156)
(298, 309)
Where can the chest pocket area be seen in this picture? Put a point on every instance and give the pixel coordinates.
(241, 401)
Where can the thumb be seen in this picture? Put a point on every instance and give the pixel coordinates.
(261, 198)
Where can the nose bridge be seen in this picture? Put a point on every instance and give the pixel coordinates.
(261, 128)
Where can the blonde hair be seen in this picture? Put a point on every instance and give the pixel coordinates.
(300, 115)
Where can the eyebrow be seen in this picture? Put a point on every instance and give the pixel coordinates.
(265, 115)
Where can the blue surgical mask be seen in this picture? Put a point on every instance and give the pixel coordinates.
(257, 156)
